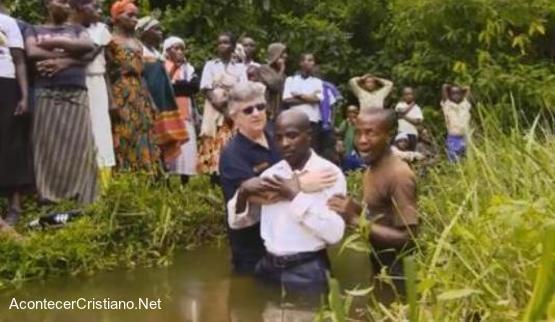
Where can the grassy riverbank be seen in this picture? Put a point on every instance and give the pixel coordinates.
(137, 222)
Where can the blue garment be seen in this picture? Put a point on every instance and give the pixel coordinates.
(456, 147)
(352, 162)
(243, 159)
(331, 96)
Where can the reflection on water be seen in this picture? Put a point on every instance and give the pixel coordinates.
(197, 287)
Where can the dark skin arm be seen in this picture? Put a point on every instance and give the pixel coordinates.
(445, 92)
(299, 99)
(380, 235)
(390, 237)
(37, 53)
(18, 56)
(269, 190)
(74, 47)
(51, 67)
(413, 121)
(108, 56)
(468, 93)
(90, 56)
(256, 190)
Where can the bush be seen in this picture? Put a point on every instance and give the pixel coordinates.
(137, 222)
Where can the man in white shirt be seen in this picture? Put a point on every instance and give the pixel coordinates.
(297, 229)
(409, 117)
(304, 92)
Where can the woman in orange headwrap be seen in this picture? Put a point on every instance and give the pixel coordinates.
(120, 7)
(133, 111)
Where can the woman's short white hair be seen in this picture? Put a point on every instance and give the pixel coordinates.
(246, 92)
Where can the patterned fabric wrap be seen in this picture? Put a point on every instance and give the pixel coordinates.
(169, 130)
(170, 133)
(63, 145)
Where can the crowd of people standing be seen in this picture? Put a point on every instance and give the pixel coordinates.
(81, 100)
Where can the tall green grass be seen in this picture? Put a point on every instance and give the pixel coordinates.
(483, 223)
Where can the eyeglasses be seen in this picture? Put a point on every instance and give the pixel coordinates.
(250, 109)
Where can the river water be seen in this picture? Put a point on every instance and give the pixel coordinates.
(198, 286)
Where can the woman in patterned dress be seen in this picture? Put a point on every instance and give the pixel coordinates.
(132, 108)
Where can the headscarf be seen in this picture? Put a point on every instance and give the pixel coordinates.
(170, 42)
(146, 23)
(274, 52)
(120, 7)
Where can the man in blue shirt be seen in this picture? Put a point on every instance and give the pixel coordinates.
(247, 155)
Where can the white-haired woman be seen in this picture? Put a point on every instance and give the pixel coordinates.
(185, 84)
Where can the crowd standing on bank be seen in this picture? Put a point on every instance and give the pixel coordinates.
(82, 100)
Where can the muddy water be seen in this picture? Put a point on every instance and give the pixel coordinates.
(198, 286)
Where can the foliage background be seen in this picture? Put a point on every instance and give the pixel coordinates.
(504, 49)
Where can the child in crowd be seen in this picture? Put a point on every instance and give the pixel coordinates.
(456, 109)
(371, 91)
(401, 149)
(347, 128)
(409, 117)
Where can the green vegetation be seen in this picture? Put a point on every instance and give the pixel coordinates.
(137, 223)
(486, 232)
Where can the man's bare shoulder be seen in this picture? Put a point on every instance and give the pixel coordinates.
(400, 170)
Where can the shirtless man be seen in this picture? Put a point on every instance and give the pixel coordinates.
(389, 197)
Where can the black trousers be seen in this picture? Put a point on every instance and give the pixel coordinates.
(247, 248)
(303, 273)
